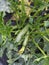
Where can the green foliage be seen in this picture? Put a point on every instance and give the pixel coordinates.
(32, 34)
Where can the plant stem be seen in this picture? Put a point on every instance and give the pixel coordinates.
(39, 47)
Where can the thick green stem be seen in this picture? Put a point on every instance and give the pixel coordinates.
(22, 32)
(39, 47)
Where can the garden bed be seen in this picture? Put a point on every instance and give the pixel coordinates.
(24, 33)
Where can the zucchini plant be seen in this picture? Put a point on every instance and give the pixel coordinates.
(26, 33)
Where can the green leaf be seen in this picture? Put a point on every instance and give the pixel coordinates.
(37, 2)
(46, 23)
(1, 39)
(46, 61)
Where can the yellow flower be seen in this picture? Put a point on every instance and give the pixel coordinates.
(21, 50)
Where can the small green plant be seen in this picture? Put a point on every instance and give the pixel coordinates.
(31, 33)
